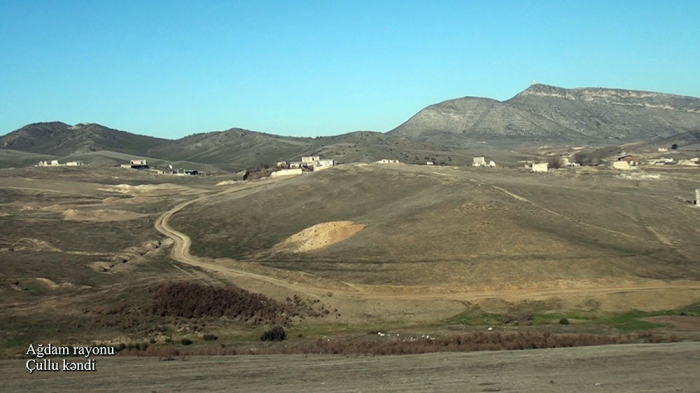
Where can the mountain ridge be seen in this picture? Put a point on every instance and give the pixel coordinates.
(540, 113)
(549, 113)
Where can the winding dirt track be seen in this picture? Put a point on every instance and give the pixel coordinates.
(181, 249)
(181, 253)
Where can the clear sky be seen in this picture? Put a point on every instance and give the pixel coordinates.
(306, 68)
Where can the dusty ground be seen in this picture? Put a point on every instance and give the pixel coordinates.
(53, 269)
(620, 368)
(319, 236)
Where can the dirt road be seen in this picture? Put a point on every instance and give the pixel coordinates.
(181, 249)
(181, 253)
(615, 368)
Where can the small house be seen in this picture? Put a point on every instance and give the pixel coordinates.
(542, 167)
(479, 161)
(310, 159)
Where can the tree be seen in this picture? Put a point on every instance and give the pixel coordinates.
(555, 162)
(674, 146)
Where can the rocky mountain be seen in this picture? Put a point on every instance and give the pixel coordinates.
(553, 114)
(60, 139)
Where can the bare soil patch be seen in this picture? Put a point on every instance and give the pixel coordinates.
(100, 215)
(319, 236)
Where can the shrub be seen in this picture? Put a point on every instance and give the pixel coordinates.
(277, 333)
(555, 162)
(674, 146)
(564, 321)
(210, 337)
(186, 341)
(191, 300)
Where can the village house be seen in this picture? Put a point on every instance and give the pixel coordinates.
(387, 161)
(135, 164)
(309, 159)
(621, 165)
(429, 163)
(323, 164)
(294, 165)
(187, 172)
(542, 167)
(286, 172)
(479, 161)
(631, 160)
(74, 163)
(282, 164)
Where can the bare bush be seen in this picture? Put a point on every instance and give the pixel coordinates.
(458, 343)
(191, 300)
(277, 333)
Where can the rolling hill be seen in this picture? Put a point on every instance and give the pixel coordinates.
(60, 139)
(455, 227)
(449, 132)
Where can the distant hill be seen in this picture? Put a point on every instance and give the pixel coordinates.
(449, 132)
(60, 139)
(690, 139)
(235, 148)
(548, 113)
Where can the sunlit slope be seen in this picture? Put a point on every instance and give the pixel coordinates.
(460, 227)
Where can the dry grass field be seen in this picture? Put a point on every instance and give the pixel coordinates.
(344, 254)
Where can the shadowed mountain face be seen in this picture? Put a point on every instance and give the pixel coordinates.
(548, 113)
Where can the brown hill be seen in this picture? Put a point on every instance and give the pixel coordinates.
(60, 139)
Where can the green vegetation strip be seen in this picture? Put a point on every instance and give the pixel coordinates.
(628, 321)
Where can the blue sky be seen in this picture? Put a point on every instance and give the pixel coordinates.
(307, 68)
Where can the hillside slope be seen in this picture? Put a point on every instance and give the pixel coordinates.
(461, 228)
(60, 139)
(548, 113)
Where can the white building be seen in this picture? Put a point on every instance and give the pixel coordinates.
(479, 161)
(296, 164)
(621, 165)
(54, 163)
(663, 149)
(286, 172)
(543, 167)
(492, 164)
(138, 162)
(429, 163)
(387, 161)
(310, 159)
(74, 163)
(323, 164)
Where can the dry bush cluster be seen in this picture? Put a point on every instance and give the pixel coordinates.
(458, 343)
(277, 333)
(191, 300)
